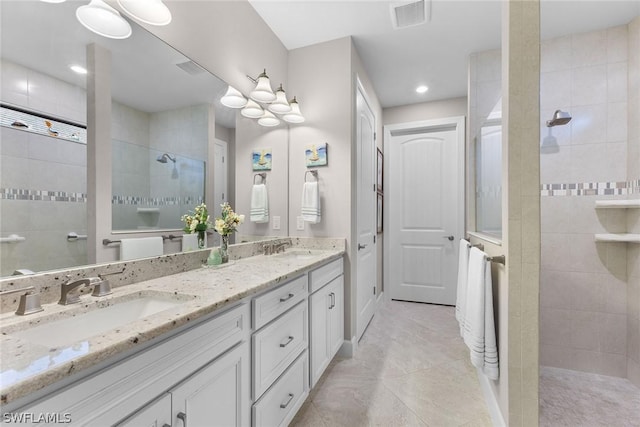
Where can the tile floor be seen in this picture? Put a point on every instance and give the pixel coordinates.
(411, 369)
(572, 398)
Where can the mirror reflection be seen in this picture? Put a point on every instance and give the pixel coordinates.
(162, 103)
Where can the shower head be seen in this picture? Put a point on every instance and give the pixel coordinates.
(163, 158)
(559, 118)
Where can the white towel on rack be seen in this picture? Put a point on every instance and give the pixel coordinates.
(311, 202)
(479, 328)
(143, 247)
(259, 203)
(463, 281)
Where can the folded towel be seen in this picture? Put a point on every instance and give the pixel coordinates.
(311, 202)
(259, 204)
(479, 328)
(141, 248)
(463, 270)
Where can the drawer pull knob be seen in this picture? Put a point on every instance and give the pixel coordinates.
(287, 298)
(287, 343)
(285, 404)
(183, 417)
(333, 300)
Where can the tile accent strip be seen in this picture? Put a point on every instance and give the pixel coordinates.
(156, 201)
(42, 195)
(619, 188)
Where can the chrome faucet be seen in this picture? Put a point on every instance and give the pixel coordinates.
(280, 247)
(68, 286)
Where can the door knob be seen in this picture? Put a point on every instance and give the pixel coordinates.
(450, 238)
(361, 246)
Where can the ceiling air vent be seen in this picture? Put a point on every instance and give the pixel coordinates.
(191, 68)
(408, 14)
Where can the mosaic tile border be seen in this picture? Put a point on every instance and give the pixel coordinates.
(37, 124)
(155, 201)
(613, 188)
(41, 195)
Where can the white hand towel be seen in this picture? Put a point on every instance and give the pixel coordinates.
(463, 271)
(480, 332)
(311, 202)
(190, 242)
(259, 204)
(144, 247)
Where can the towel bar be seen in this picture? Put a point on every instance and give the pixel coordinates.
(262, 175)
(313, 172)
(106, 242)
(170, 237)
(500, 259)
(479, 246)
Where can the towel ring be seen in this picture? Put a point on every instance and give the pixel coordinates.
(313, 172)
(262, 175)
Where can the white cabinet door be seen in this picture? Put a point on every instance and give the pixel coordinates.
(216, 395)
(319, 304)
(155, 414)
(327, 326)
(336, 315)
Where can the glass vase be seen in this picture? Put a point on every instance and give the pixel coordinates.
(224, 248)
(202, 243)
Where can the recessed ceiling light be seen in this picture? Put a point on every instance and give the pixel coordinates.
(422, 89)
(78, 69)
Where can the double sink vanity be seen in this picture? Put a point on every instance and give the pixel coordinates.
(238, 344)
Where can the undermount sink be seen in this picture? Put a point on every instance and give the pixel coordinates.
(300, 253)
(78, 324)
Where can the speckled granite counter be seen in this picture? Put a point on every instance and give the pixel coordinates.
(28, 367)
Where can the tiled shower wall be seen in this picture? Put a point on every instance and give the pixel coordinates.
(584, 284)
(633, 216)
(48, 173)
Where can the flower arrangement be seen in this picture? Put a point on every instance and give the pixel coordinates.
(198, 221)
(228, 221)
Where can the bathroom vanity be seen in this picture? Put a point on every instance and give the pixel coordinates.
(233, 345)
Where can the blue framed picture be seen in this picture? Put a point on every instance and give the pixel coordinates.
(261, 159)
(316, 154)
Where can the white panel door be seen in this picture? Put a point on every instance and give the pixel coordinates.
(366, 253)
(425, 213)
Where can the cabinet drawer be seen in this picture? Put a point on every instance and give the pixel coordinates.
(280, 403)
(277, 345)
(323, 275)
(272, 304)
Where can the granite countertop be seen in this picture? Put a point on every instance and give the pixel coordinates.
(28, 367)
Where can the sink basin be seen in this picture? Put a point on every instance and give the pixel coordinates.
(301, 254)
(78, 326)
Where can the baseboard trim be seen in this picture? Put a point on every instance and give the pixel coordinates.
(490, 400)
(380, 300)
(348, 348)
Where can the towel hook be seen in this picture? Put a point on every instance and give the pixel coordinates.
(262, 175)
(500, 259)
(313, 172)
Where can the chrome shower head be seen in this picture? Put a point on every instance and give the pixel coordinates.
(163, 158)
(559, 118)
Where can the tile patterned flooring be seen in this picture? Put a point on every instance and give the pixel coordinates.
(572, 398)
(411, 369)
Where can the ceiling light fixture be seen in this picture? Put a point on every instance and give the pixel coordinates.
(268, 120)
(294, 116)
(78, 69)
(152, 12)
(233, 98)
(422, 89)
(280, 105)
(262, 91)
(102, 19)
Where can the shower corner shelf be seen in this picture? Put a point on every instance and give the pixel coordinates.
(617, 204)
(618, 237)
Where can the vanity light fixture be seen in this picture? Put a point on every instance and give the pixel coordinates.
(78, 69)
(262, 91)
(280, 105)
(422, 89)
(233, 98)
(252, 110)
(294, 116)
(268, 119)
(152, 12)
(102, 19)
(53, 1)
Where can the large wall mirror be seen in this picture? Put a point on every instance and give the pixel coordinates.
(166, 120)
